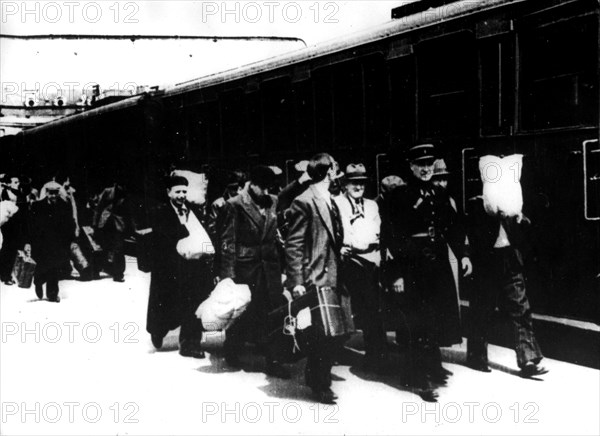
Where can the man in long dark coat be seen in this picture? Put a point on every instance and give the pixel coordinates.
(313, 249)
(111, 220)
(51, 227)
(249, 256)
(422, 226)
(177, 285)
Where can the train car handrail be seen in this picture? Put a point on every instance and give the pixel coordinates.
(464, 177)
(585, 181)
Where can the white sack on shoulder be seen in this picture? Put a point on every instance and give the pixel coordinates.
(502, 184)
(197, 244)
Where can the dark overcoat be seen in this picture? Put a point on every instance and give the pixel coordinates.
(51, 228)
(177, 286)
(422, 209)
(249, 254)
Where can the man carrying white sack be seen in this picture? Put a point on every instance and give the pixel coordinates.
(496, 230)
(249, 256)
(181, 270)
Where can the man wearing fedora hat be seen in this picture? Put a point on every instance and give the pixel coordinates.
(423, 223)
(361, 259)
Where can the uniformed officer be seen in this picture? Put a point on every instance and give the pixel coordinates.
(423, 222)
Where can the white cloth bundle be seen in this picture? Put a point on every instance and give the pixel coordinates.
(502, 184)
(224, 305)
(198, 243)
(7, 209)
(197, 186)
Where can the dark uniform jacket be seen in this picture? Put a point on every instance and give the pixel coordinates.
(419, 208)
(249, 249)
(51, 228)
(176, 285)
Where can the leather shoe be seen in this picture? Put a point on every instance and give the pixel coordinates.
(276, 369)
(54, 300)
(324, 396)
(192, 352)
(9, 282)
(479, 366)
(157, 341)
(532, 369)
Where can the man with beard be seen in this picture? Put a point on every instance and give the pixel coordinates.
(51, 229)
(14, 230)
(423, 222)
(249, 256)
(361, 259)
(177, 285)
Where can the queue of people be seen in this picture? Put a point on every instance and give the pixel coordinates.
(319, 232)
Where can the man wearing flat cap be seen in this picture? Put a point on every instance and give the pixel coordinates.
(50, 228)
(423, 223)
(361, 259)
(177, 285)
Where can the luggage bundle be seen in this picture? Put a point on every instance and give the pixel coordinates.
(321, 310)
(224, 305)
(143, 242)
(24, 269)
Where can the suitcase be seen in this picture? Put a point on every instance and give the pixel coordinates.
(330, 316)
(332, 312)
(143, 247)
(24, 270)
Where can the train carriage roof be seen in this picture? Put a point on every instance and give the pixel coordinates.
(396, 27)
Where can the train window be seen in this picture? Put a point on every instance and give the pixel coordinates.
(233, 130)
(254, 137)
(447, 76)
(402, 99)
(304, 115)
(376, 102)
(324, 126)
(206, 129)
(278, 115)
(348, 105)
(496, 56)
(559, 75)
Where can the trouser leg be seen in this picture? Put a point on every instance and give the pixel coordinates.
(516, 304)
(52, 284)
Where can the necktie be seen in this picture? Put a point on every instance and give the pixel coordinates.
(335, 222)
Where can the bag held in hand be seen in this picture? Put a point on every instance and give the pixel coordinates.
(224, 305)
(331, 312)
(24, 270)
(143, 242)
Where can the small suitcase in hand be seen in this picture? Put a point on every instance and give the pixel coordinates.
(24, 270)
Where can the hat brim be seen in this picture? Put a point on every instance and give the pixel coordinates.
(351, 178)
(422, 158)
(445, 173)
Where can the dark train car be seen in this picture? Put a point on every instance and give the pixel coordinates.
(495, 76)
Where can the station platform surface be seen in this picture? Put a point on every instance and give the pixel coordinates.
(86, 366)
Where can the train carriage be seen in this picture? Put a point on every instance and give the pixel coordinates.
(470, 76)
